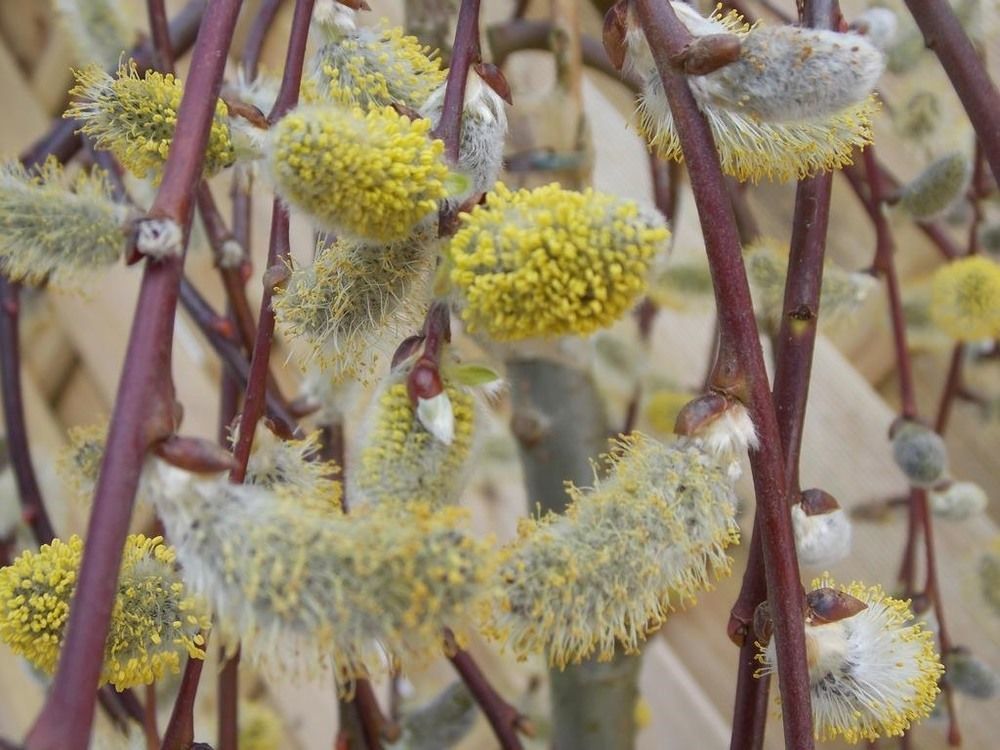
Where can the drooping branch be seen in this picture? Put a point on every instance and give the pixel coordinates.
(740, 367)
(144, 408)
(884, 263)
(794, 347)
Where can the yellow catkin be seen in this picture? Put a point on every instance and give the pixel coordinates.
(80, 461)
(367, 176)
(50, 232)
(154, 622)
(402, 461)
(301, 590)
(871, 675)
(353, 296)
(372, 67)
(293, 468)
(627, 552)
(134, 117)
(551, 262)
(260, 726)
(965, 299)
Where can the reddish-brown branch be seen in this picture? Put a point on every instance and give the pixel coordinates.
(794, 347)
(163, 52)
(919, 513)
(953, 382)
(179, 733)
(256, 36)
(228, 683)
(218, 332)
(504, 718)
(464, 53)
(28, 492)
(278, 248)
(884, 263)
(149, 727)
(933, 592)
(144, 408)
(232, 277)
(229, 699)
(741, 367)
(752, 692)
(943, 33)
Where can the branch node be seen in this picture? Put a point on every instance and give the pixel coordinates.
(158, 238)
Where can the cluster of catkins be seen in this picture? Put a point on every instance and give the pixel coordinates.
(288, 574)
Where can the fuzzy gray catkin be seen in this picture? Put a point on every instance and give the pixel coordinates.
(353, 294)
(787, 73)
(49, 232)
(484, 126)
(796, 102)
(300, 588)
(935, 189)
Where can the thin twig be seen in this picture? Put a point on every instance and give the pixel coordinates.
(28, 492)
(228, 682)
(259, 29)
(953, 383)
(163, 52)
(504, 718)
(219, 332)
(919, 512)
(149, 727)
(740, 368)
(464, 53)
(278, 249)
(232, 277)
(179, 733)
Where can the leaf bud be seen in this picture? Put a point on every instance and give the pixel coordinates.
(958, 501)
(919, 452)
(822, 529)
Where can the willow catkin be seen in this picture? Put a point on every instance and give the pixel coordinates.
(301, 589)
